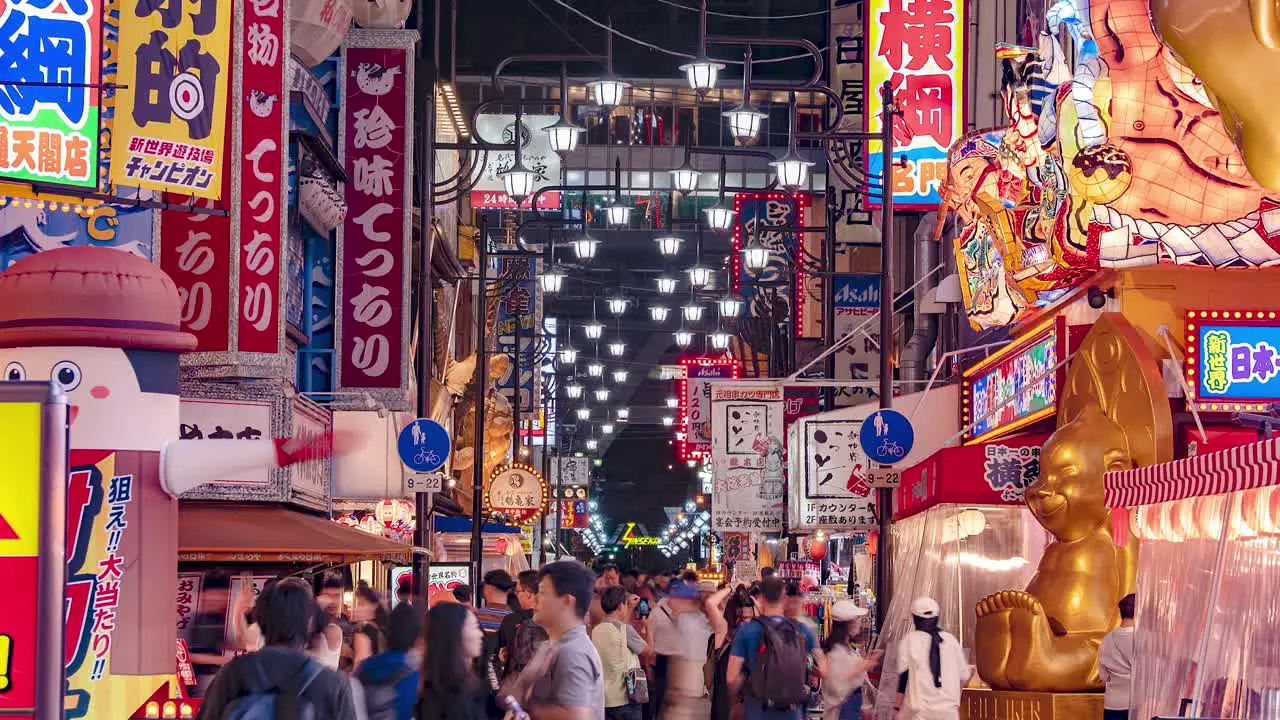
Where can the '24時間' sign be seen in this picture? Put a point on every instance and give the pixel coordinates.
(373, 279)
(917, 46)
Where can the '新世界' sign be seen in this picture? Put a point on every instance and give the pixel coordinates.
(1233, 359)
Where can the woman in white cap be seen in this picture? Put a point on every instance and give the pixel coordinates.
(934, 668)
(846, 668)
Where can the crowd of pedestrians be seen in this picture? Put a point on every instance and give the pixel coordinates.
(558, 643)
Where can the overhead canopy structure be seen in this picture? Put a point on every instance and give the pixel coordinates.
(216, 532)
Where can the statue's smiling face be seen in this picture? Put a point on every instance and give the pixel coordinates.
(1068, 499)
(107, 408)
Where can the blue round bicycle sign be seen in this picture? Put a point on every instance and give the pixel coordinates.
(887, 436)
(423, 445)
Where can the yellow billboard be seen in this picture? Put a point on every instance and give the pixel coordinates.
(171, 114)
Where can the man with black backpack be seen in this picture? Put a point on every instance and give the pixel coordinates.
(390, 679)
(769, 659)
(280, 681)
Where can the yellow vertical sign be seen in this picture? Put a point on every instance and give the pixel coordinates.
(171, 115)
(20, 479)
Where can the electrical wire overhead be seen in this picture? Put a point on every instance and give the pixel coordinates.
(795, 16)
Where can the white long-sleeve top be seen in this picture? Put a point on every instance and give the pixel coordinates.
(1115, 664)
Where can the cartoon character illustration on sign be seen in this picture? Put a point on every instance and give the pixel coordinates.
(771, 486)
(1131, 162)
(375, 79)
(1113, 416)
(104, 325)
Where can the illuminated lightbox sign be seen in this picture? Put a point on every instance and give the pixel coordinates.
(918, 48)
(1233, 359)
(1016, 386)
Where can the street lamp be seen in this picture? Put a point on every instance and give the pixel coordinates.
(593, 330)
(683, 337)
(672, 401)
(719, 217)
(607, 428)
(592, 444)
(745, 120)
(792, 170)
(719, 340)
(584, 413)
(573, 391)
(692, 312)
(702, 73)
(700, 276)
(755, 256)
(624, 414)
(617, 304)
(669, 245)
(585, 246)
(729, 305)
(617, 214)
(617, 348)
(552, 280)
(608, 89)
(563, 134)
(685, 177)
(620, 376)
(595, 369)
(602, 394)
(668, 420)
(666, 285)
(568, 355)
(519, 180)
(659, 313)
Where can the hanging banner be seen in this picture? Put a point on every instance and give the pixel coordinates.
(748, 457)
(846, 159)
(49, 134)
(917, 47)
(373, 242)
(519, 304)
(831, 478)
(535, 153)
(196, 253)
(857, 301)
(260, 193)
(695, 402)
(767, 292)
(175, 71)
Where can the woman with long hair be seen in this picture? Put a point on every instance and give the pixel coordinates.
(737, 609)
(846, 668)
(451, 688)
(369, 616)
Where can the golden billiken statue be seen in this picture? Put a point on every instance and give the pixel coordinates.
(1112, 415)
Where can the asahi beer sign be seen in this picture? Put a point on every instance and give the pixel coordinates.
(857, 301)
(377, 150)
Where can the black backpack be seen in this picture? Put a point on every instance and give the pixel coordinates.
(524, 645)
(380, 698)
(779, 667)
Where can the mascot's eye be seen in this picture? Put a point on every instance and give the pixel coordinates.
(66, 374)
(14, 372)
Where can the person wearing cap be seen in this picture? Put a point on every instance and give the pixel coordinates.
(846, 667)
(686, 682)
(933, 666)
(493, 608)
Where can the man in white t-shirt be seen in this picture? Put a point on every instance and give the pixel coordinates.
(1115, 664)
(933, 668)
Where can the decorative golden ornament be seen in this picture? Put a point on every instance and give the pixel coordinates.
(1100, 173)
(1112, 415)
(1233, 47)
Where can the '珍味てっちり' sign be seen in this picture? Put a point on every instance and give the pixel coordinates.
(171, 111)
(49, 115)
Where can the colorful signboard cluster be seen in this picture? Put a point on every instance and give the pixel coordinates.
(1017, 385)
(49, 133)
(170, 131)
(1233, 359)
(748, 456)
(918, 47)
(694, 394)
(373, 244)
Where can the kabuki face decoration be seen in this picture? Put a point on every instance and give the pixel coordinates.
(1128, 163)
(108, 408)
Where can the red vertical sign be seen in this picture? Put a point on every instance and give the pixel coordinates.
(262, 58)
(372, 285)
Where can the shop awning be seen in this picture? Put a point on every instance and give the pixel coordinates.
(445, 524)
(214, 532)
(1238, 468)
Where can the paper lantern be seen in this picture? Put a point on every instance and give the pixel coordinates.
(384, 14)
(317, 29)
(817, 549)
(1101, 173)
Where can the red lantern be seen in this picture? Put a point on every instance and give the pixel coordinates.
(817, 549)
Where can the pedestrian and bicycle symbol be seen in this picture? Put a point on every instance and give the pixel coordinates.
(423, 445)
(887, 436)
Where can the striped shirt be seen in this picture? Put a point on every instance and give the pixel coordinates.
(491, 618)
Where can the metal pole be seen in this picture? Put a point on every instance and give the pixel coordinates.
(546, 469)
(884, 496)
(482, 377)
(425, 88)
(516, 383)
(52, 564)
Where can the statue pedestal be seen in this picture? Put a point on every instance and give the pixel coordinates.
(1010, 705)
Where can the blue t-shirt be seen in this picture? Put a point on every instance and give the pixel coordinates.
(746, 644)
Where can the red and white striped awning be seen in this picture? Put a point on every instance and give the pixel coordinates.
(1239, 468)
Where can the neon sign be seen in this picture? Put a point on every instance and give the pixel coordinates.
(1016, 386)
(629, 539)
(1233, 359)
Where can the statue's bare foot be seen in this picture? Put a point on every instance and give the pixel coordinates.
(994, 637)
(1042, 658)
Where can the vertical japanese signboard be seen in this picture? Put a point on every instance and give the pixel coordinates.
(769, 210)
(376, 143)
(262, 52)
(695, 402)
(49, 133)
(747, 456)
(518, 305)
(857, 301)
(196, 252)
(175, 69)
(846, 159)
(917, 46)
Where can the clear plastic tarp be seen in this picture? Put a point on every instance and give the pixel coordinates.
(957, 555)
(1208, 610)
